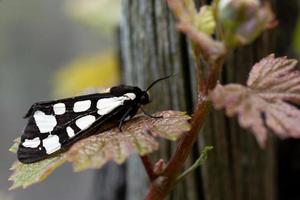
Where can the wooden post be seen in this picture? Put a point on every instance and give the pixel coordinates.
(152, 48)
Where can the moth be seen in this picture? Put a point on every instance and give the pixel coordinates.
(54, 126)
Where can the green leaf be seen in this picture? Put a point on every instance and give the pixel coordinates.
(244, 20)
(198, 26)
(25, 175)
(187, 15)
(138, 136)
(170, 126)
(15, 146)
(205, 21)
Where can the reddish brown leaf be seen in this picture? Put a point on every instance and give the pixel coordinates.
(138, 136)
(277, 78)
(265, 103)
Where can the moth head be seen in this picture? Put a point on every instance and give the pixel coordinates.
(140, 96)
(144, 99)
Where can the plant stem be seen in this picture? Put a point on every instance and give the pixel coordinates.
(163, 184)
(149, 167)
(213, 52)
(160, 188)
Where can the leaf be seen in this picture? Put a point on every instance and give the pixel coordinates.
(14, 147)
(198, 26)
(205, 21)
(138, 136)
(84, 73)
(267, 102)
(244, 20)
(25, 175)
(277, 77)
(187, 15)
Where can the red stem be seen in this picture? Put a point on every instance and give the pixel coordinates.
(162, 185)
(160, 188)
(149, 167)
(214, 53)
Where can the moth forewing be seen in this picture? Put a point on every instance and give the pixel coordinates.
(54, 126)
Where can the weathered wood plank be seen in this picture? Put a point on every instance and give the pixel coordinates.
(152, 49)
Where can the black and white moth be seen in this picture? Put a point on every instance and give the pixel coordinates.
(53, 126)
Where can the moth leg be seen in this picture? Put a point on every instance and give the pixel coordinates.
(123, 118)
(149, 115)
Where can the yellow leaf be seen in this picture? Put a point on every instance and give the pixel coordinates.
(103, 15)
(85, 73)
(205, 21)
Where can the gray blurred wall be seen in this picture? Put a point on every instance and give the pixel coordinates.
(36, 39)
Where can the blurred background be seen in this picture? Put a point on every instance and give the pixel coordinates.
(57, 48)
(52, 49)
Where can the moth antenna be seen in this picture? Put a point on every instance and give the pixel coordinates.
(158, 80)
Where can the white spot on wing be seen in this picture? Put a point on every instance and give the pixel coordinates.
(59, 108)
(131, 96)
(51, 144)
(107, 105)
(70, 132)
(33, 143)
(81, 106)
(85, 122)
(45, 123)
